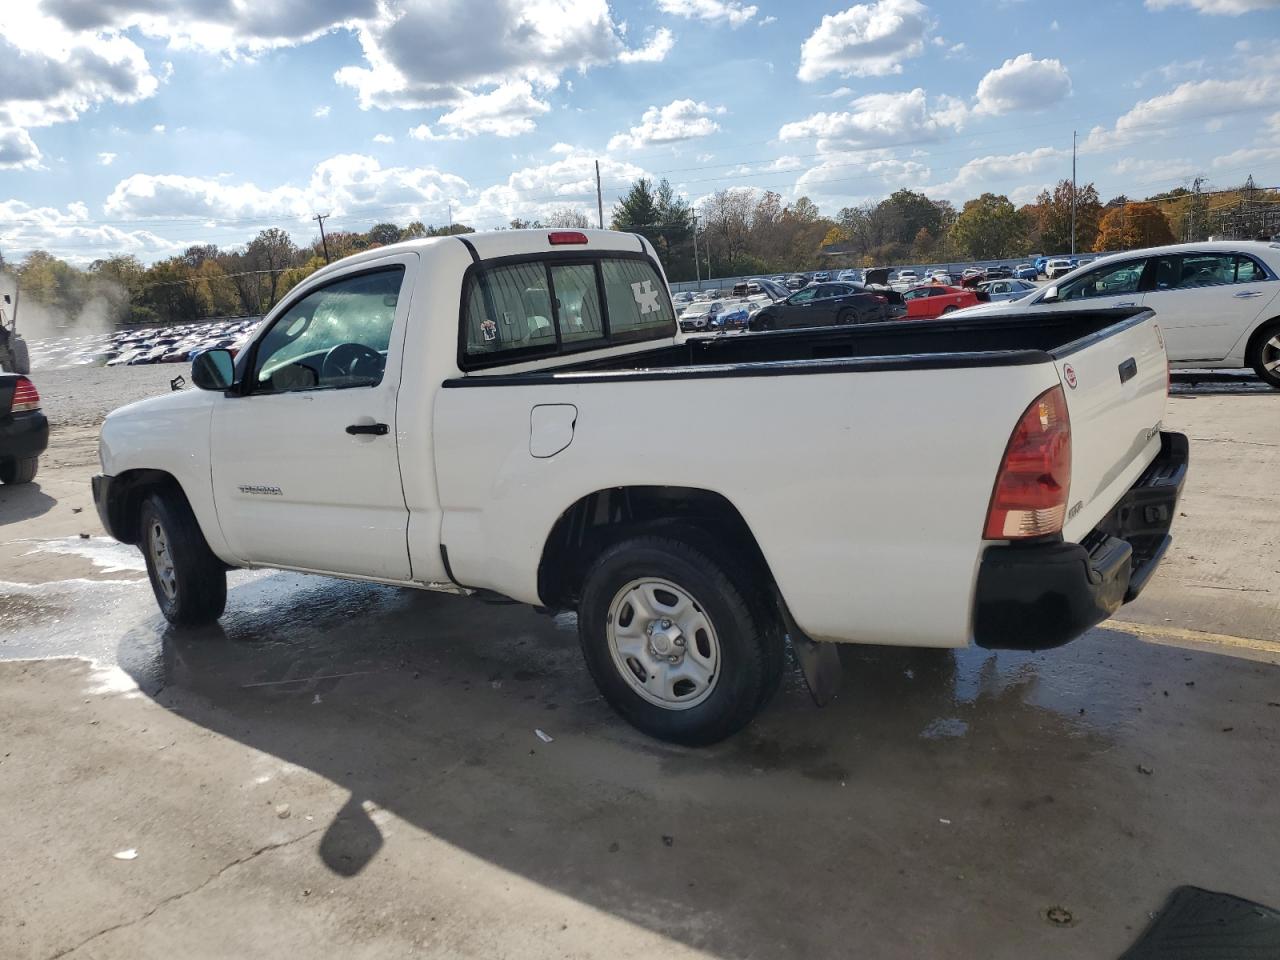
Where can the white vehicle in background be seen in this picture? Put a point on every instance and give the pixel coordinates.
(1217, 303)
(508, 414)
(1056, 268)
(906, 279)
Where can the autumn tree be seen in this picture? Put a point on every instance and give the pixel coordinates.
(990, 228)
(1133, 226)
(1049, 218)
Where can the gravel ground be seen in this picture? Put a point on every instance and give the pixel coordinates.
(83, 396)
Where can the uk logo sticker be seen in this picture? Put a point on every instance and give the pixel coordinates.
(1069, 375)
(645, 296)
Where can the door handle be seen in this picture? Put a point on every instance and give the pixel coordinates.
(1128, 370)
(1246, 294)
(1128, 303)
(372, 429)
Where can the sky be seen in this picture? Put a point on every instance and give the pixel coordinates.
(144, 126)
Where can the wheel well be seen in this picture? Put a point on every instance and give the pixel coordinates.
(128, 491)
(1257, 335)
(599, 519)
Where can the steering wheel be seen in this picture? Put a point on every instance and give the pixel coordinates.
(346, 359)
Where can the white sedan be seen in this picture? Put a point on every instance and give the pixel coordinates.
(1218, 302)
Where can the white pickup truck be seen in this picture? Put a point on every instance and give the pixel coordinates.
(509, 413)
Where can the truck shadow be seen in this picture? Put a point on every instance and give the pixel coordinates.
(22, 502)
(931, 765)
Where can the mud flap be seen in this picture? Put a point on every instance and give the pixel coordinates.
(819, 661)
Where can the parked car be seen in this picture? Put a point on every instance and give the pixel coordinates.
(935, 299)
(733, 317)
(823, 304)
(681, 301)
(909, 277)
(697, 316)
(1217, 303)
(1025, 271)
(24, 430)
(998, 272)
(843, 507)
(1057, 267)
(998, 290)
(850, 276)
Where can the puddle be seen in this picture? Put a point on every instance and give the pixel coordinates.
(105, 554)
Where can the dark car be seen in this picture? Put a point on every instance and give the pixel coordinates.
(823, 305)
(24, 431)
(998, 273)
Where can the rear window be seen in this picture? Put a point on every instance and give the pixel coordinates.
(548, 305)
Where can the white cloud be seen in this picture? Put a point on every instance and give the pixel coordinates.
(17, 150)
(851, 177)
(506, 111)
(782, 164)
(70, 234)
(1161, 115)
(1240, 161)
(475, 44)
(838, 93)
(655, 51)
(106, 159)
(1142, 170)
(1227, 8)
(383, 138)
(158, 128)
(321, 112)
(881, 119)
(1022, 83)
(678, 120)
(346, 185)
(867, 40)
(536, 191)
(1053, 25)
(765, 21)
(731, 12)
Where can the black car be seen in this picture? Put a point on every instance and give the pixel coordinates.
(823, 305)
(998, 273)
(24, 431)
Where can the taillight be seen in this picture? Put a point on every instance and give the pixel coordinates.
(1030, 496)
(25, 396)
(559, 237)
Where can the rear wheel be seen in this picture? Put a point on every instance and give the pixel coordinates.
(671, 642)
(189, 582)
(1264, 354)
(19, 471)
(847, 317)
(949, 309)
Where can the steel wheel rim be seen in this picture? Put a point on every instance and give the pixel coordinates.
(162, 560)
(663, 644)
(1271, 355)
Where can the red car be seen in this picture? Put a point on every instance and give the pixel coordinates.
(934, 299)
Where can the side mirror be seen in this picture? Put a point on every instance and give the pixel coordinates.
(1050, 295)
(213, 370)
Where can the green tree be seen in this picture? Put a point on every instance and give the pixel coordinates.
(1049, 218)
(990, 228)
(382, 234)
(638, 207)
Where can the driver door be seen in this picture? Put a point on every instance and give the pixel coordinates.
(796, 310)
(306, 472)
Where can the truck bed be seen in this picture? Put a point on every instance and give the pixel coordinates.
(1007, 340)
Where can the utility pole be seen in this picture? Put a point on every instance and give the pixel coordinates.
(321, 218)
(1073, 192)
(599, 197)
(697, 270)
(450, 217)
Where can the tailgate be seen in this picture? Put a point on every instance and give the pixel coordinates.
(1116, 384)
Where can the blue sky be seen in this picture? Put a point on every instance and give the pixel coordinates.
(141, 126)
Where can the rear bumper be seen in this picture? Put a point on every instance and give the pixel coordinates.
(23, 435)
(1035, 596)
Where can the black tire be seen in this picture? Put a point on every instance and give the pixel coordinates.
(847, 317)
(1261, 352)
(751, 647)
(198, 580)
(949, 309)
(19, 471)
(21, 356)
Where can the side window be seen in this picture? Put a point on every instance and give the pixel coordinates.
(1104, 282)
(805, 295)
(1247, 270)
(577, 302)
(337, 336)
(1205, 270)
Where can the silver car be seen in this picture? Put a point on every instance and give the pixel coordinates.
(997, 290)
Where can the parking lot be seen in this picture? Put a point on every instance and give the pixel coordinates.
(353, 767)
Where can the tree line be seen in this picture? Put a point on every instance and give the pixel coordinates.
(733, 232)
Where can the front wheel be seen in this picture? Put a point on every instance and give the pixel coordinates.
(846, 317)
(189, 582)
(950, 309)
(673, 644)
(1264, 354)
(19, 471)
